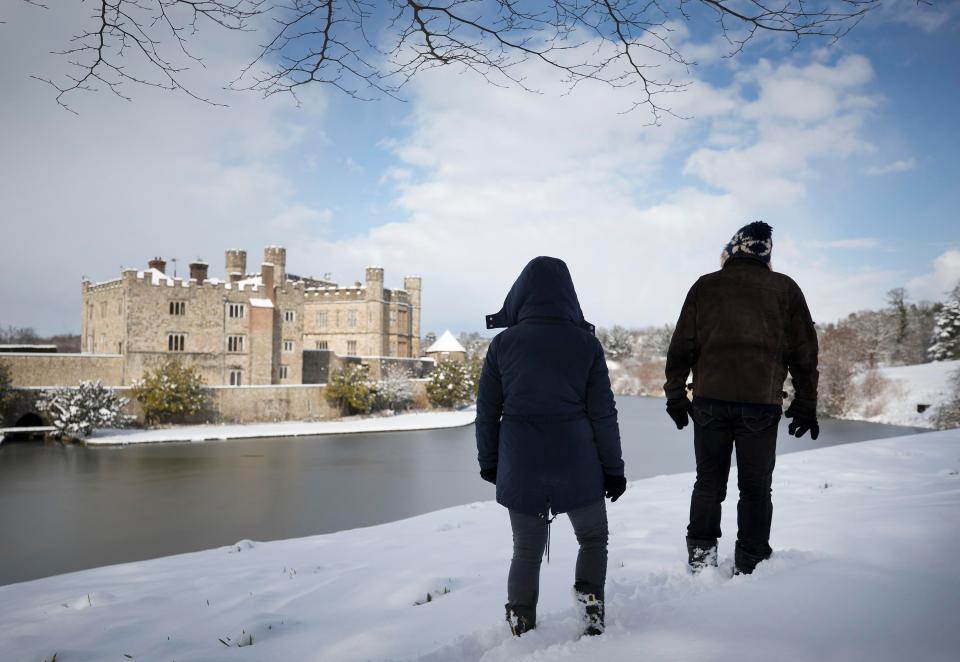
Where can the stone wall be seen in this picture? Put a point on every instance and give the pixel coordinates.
(35, 369)
(225, 404)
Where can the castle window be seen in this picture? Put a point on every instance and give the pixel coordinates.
(403, 321)
(351, 348)
(402, 349)
(283, 372)
(322, 344)
(288, 345)
(322, 318)
(393, 318)
(175, 342)
(178, 307)
(235, 310)
(289, 315)
(234, 343)
(351, 318)
(236, 377)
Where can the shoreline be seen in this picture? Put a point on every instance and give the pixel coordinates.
(408, 422)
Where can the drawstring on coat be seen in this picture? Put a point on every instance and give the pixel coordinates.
(549, 520)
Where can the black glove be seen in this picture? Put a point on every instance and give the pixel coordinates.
(679, 409)
(614, 486)
(804, 417)
(489, 475)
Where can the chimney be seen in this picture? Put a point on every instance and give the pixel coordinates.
(198, 271)
(159, 264)
(266, 275)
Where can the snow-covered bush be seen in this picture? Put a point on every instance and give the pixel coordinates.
(351, 391)
(395, 390)
(77, 412)
(618, 343)
(170, 393)
(450, 384)
(948, 414)
(946, 334)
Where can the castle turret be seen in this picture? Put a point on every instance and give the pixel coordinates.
(277, 256)
(374, 281)
(236, 264)
(412, 284)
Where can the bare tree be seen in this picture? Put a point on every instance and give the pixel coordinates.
(369, 49)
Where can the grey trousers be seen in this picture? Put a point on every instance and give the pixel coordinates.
(530, 539)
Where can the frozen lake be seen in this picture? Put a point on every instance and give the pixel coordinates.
(69, 507)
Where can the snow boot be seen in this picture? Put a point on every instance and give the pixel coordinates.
(700, 556)
(520, 619)
(591, 611)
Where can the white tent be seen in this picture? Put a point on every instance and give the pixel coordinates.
(446, 344)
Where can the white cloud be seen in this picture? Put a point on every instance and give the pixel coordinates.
(488, 178)
(123, 181)
(937, 283)
(901, 165)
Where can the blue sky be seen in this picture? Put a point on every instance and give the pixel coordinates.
(849, 150)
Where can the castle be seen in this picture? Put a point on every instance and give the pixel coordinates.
(265, 327)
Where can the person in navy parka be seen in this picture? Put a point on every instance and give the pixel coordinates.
(547, 435)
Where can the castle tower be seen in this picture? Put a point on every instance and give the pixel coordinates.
(277, 256)
(236, 264)
(412, 285)
(374, 278)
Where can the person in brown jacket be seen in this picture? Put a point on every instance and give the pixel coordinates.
(741, 329)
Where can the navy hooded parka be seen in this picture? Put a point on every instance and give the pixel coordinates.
(546, 417)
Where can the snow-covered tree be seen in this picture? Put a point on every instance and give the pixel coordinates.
(394, 391)
(946, 333)
(450, 384)
(618, 343)
(948, 414)
(351, 391)
(77, 412)
(170, 392)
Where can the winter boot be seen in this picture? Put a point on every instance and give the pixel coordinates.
(699, 556)
(591, 611)
(520, 619)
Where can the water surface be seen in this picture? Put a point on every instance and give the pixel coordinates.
(66, 507)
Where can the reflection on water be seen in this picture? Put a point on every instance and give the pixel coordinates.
(68, 507)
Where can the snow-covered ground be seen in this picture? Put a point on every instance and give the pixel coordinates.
(866, 538)
(895, 401)
(401, 422)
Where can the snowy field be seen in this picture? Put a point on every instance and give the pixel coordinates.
(401, 422)
(866, 538)
(907, 386)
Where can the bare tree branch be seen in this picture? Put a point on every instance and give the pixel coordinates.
(369, 49)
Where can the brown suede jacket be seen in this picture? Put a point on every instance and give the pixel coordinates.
(740, 330)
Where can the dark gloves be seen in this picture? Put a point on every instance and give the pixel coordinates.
(614, 486)
(804, 415)
(489, 475)
(679, 409)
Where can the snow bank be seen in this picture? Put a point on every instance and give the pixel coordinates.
(908, 386)
(865, 569)
(398, 423)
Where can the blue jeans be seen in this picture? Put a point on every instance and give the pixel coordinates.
(718, 429)
(530, 539)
